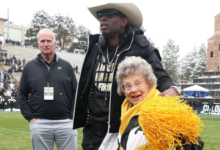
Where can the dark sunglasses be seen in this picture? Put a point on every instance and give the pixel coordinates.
(109, 13)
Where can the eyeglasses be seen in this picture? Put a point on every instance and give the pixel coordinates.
(138, 84)
(109, 13)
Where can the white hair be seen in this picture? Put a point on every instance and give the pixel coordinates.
(134, 65)
(45, 29)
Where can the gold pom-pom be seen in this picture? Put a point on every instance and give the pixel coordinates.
(167, 121)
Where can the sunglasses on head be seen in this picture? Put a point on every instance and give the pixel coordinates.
(109, 13)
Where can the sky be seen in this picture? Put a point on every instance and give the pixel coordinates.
(188, 22)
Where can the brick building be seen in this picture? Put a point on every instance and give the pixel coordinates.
(213, 51)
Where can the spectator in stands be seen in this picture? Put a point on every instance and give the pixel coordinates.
(14, 93)
(0, 44)
(16, 68)
(15, 61)
(14, 58)
(7, 61)
(211, 104)
(5, 74)
(9, 92)
(1, 91)
(10, 60)
(5, 93)
(9, 81)
(1, 56)
(5, 84)
(19, 62)
(13, 68)
(5, 54)
(24, 61)
(10, 70)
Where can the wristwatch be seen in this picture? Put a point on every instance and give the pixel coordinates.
(177, 89)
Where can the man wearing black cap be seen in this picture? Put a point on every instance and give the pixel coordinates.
(97, 105)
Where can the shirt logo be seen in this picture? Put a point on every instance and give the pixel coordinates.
(59, 68)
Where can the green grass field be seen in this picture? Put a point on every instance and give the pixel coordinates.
(14, 132)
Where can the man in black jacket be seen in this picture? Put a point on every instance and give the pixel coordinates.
(52, 84)
(98, 106)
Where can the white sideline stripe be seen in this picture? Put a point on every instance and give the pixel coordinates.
(14, 130)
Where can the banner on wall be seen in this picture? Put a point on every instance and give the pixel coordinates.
(215, 108)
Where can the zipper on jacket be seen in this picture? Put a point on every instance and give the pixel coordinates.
(48, 67)
(109, 121)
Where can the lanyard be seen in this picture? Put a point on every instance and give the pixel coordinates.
(48, 75)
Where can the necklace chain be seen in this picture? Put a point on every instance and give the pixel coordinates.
(113, 56)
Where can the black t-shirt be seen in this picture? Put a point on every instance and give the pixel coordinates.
(102, 78)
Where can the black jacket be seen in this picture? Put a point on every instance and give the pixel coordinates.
(135, 44)
(34, 79)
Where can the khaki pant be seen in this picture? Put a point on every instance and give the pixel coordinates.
(45, 132)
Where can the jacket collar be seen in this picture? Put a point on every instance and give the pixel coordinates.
(55, 59)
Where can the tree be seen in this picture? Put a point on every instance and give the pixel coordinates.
(40, 20)
(170, 60)
(64, 28)
(202, 60)
(81, 34)
(190, 65)
(194, 63)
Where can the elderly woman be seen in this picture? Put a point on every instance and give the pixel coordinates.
(137, 82)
